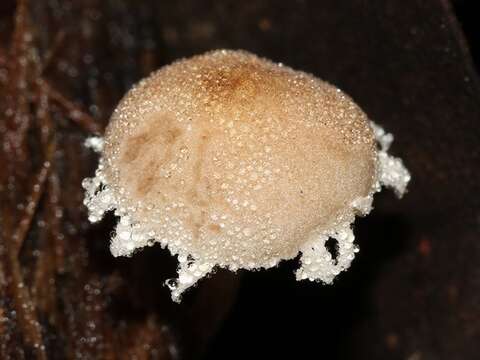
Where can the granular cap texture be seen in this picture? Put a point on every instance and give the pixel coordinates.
(232, 160)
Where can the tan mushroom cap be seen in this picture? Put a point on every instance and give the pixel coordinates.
(235, 160)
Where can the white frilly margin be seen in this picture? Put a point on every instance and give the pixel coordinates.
(316, 262)
(129, 235)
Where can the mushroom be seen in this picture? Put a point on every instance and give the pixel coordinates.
(230, 160)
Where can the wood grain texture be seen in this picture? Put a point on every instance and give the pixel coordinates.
(413, 293)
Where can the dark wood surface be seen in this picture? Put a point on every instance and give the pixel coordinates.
(412, 293)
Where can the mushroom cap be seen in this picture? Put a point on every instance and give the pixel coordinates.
(236, 160)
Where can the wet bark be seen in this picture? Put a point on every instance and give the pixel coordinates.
(413, 292)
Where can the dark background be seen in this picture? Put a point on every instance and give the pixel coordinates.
(413, 292)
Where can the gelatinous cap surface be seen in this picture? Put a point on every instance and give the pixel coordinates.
(236, 160)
